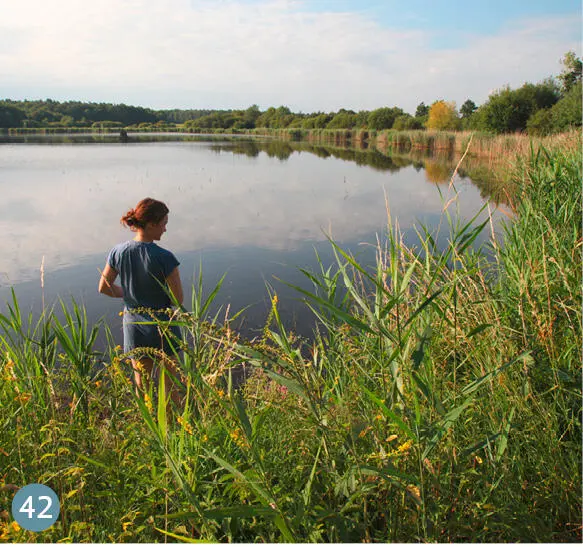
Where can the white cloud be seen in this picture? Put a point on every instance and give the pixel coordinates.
(231, 54)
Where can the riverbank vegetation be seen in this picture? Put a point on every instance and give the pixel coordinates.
(547, 107)
(440, 399)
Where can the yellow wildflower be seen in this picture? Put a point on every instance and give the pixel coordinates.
(405, 446)
(15, 526)
(205, 438)
(378, 417)
(23, 398)
(148, 402)
(185, 425)
(391, 438)
(414, 492)
(98, 383)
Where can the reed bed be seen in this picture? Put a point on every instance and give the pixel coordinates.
(439, 401)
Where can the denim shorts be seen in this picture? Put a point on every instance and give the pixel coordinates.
(152, 335)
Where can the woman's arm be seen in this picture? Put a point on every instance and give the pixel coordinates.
(106, 285)
(175, 285)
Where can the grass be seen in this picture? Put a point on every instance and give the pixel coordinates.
(439, 401)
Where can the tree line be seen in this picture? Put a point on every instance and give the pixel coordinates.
(552, 105)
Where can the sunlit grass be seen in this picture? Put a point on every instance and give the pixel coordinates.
(440, 399)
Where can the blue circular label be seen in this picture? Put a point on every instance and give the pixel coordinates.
(35, 507)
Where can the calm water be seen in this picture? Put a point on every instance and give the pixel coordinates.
(256, 211)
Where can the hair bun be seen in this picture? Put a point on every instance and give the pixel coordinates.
(129, 219)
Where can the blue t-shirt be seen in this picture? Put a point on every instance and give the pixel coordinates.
(143, 269)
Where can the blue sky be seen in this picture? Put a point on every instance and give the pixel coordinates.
(309, 55)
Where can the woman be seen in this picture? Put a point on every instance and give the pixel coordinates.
(146, 273)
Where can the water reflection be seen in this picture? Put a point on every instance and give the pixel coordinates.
(64, 202)
(254, 209)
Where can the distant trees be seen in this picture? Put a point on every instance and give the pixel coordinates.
(443, 116)
(508, 110)
(344, 119)
(422, 110)
(383, 118)
(571, 74)
(468, 108)
(546, 107)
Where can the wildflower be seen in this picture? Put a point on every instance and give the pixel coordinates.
(120, 313)
(235, 435)
(126, 525)
(378, 417)
(15, 526)
(221, 393)
(364, 432)
(148, 402)
(205, 438)
(415, 493)
(405, 447)
(98, 383)
(478, 459)
(23, 398)
(185, 425)
(391, 438)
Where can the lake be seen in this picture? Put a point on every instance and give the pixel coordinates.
(256, 211)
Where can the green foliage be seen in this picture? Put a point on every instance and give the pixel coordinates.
(440, 400)
(344, 119)
(508, 111)
(541, 122)
(406, 123)
(567, 112)
(422, 110)
(468, 108)
(571, 74)
(383, 118)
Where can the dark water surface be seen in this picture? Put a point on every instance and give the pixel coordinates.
(256, 211)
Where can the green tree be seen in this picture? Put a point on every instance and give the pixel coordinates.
(572, 71)
(344, 119)
(250, 116)
(407, 122)
(567, 113)
(422, 110)
(541, 122)
(508, 110)
(383, 118)
(11, 116)
(468, 108)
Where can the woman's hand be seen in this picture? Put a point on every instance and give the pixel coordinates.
(175, 285)
(106, 283)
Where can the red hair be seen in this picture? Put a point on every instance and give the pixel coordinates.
(147, 210)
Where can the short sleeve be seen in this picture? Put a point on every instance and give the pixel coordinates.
(112, 259)
(169, 262)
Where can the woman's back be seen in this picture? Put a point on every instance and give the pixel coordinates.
(143, 268)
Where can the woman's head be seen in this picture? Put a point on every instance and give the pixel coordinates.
(147, 211)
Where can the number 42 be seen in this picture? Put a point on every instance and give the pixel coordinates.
(28, 508)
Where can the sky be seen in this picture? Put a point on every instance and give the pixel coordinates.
(309, 55)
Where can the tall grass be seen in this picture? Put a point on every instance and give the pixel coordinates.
(439, 401)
